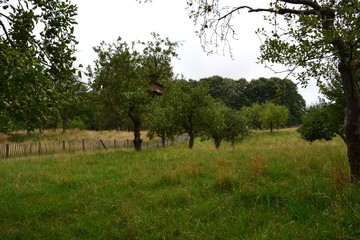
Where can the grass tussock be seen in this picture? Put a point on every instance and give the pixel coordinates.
(257, 166)
(271, 186)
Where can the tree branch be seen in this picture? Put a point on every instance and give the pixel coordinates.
(7, 17)
(311, 3)
(270, 10)
(5, 31)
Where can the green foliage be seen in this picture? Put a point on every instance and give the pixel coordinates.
(214, 125)
(236, 126)
(162, 119)
(189, 101)
(240, 93)
(223, 123)
(252, 113)
(279, 91)
(121, 79)
(273, 115)
(322, 122)
(37, 44)
(229, 91)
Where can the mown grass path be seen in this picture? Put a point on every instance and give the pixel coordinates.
(272, 186)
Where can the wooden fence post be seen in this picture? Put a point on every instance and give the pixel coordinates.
(101, 141)
(7, 151)
(83, 144)
(63, 145)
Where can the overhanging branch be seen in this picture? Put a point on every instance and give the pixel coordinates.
(270, 10)
(311, 3)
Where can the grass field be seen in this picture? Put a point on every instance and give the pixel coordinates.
(272, 186)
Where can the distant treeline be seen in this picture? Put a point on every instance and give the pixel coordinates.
(239, 93)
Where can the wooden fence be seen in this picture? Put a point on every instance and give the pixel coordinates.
(11, 150)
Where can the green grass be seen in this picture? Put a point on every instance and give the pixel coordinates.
(272, 186)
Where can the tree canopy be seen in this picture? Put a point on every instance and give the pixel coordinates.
(121, 78)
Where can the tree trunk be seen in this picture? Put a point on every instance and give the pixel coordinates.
(352, 120)
(163, 142)
(191, 140)
(137, 135)
(217, 143)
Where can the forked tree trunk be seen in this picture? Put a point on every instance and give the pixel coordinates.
(352, 120)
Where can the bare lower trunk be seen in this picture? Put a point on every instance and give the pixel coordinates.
(163, 141)
(191, 140)
(352, 121)
(137, 139)
(137, 135)
(352, 136)
(217, 143)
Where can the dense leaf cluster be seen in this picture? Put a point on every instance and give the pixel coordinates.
(37, 45)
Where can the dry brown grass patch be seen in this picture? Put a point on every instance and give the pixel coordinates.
(190, 168)
(224, 182)
(340, 177)
(75, 134)
(257, 166)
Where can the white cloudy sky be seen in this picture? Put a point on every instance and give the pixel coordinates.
(106, 20)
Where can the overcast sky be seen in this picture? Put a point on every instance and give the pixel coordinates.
(107, 20)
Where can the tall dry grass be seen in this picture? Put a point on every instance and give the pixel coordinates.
(71, 134)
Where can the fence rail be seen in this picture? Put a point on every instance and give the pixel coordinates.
(11, 150)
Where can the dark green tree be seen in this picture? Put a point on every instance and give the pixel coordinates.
(252, 114)
(191, 98)
(326, 119)
(214, 126)
(321, 121)
(229, 91)
(162, 119)
(280, 91)
(236, 126)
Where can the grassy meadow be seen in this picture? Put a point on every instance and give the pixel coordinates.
(271, 186)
